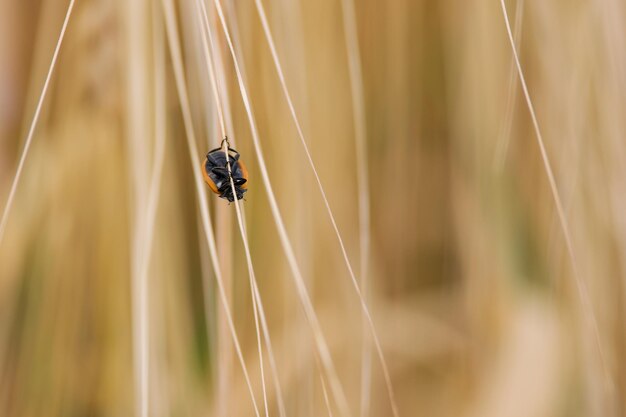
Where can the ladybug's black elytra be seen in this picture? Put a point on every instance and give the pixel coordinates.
(216, 175)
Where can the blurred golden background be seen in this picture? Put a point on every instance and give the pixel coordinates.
(414, 115)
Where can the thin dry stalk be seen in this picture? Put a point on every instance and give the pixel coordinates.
(581, 286)
(204, 24)
(205, 34)
(360, 135)
(366, 312)
(251, 274)
(266, 335)
(504, 138)
(256, 297)
(147, 231)
(210, 52)
(326, 400)
(320, 341)
(172, 35)
(160, 128)
(33, 124)
(138, 132)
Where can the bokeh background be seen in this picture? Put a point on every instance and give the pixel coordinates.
(468, 278)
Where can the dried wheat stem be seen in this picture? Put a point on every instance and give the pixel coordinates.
(204, 31)
(33, 125)
(326, 399)
(208, 47)
(138, 134)
(268, 341)
(257, 303)
(504, 137)
(282, 232)
(355, 283)
(251, 274)
(360, 133)
(581, 286)
(172, 35)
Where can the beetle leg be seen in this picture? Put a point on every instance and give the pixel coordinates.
(220, 171)
(224, 187)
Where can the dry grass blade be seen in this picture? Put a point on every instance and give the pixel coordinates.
(320, 341)
(268, 341)
(172, 35)
(109, 303)
(251, 274)
(204, 29)
(145, 195)
(207, 48)
(256, 297)
(360, 134)
(150, 214)
(326, 400)
(33, 125)
(358, 290)
(581, 286)
(504, 138)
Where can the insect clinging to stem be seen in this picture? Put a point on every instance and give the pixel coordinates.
(217, 176)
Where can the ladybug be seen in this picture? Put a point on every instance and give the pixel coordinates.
(216, 175)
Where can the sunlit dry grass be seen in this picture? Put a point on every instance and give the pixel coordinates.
(123, 282)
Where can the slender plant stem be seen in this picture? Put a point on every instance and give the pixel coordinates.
(307, 305)
(33, 124)
(581, 285)
(366, 312)
(172, 35)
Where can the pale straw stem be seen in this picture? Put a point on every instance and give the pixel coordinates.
(172, 35)
(286, 244)
(364, 307)
(251, 274)
(33, 125)
(504, 137)
(360, 133)
(581, 285)
(256, 297)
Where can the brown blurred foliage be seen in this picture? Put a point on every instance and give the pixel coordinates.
(470, 284)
